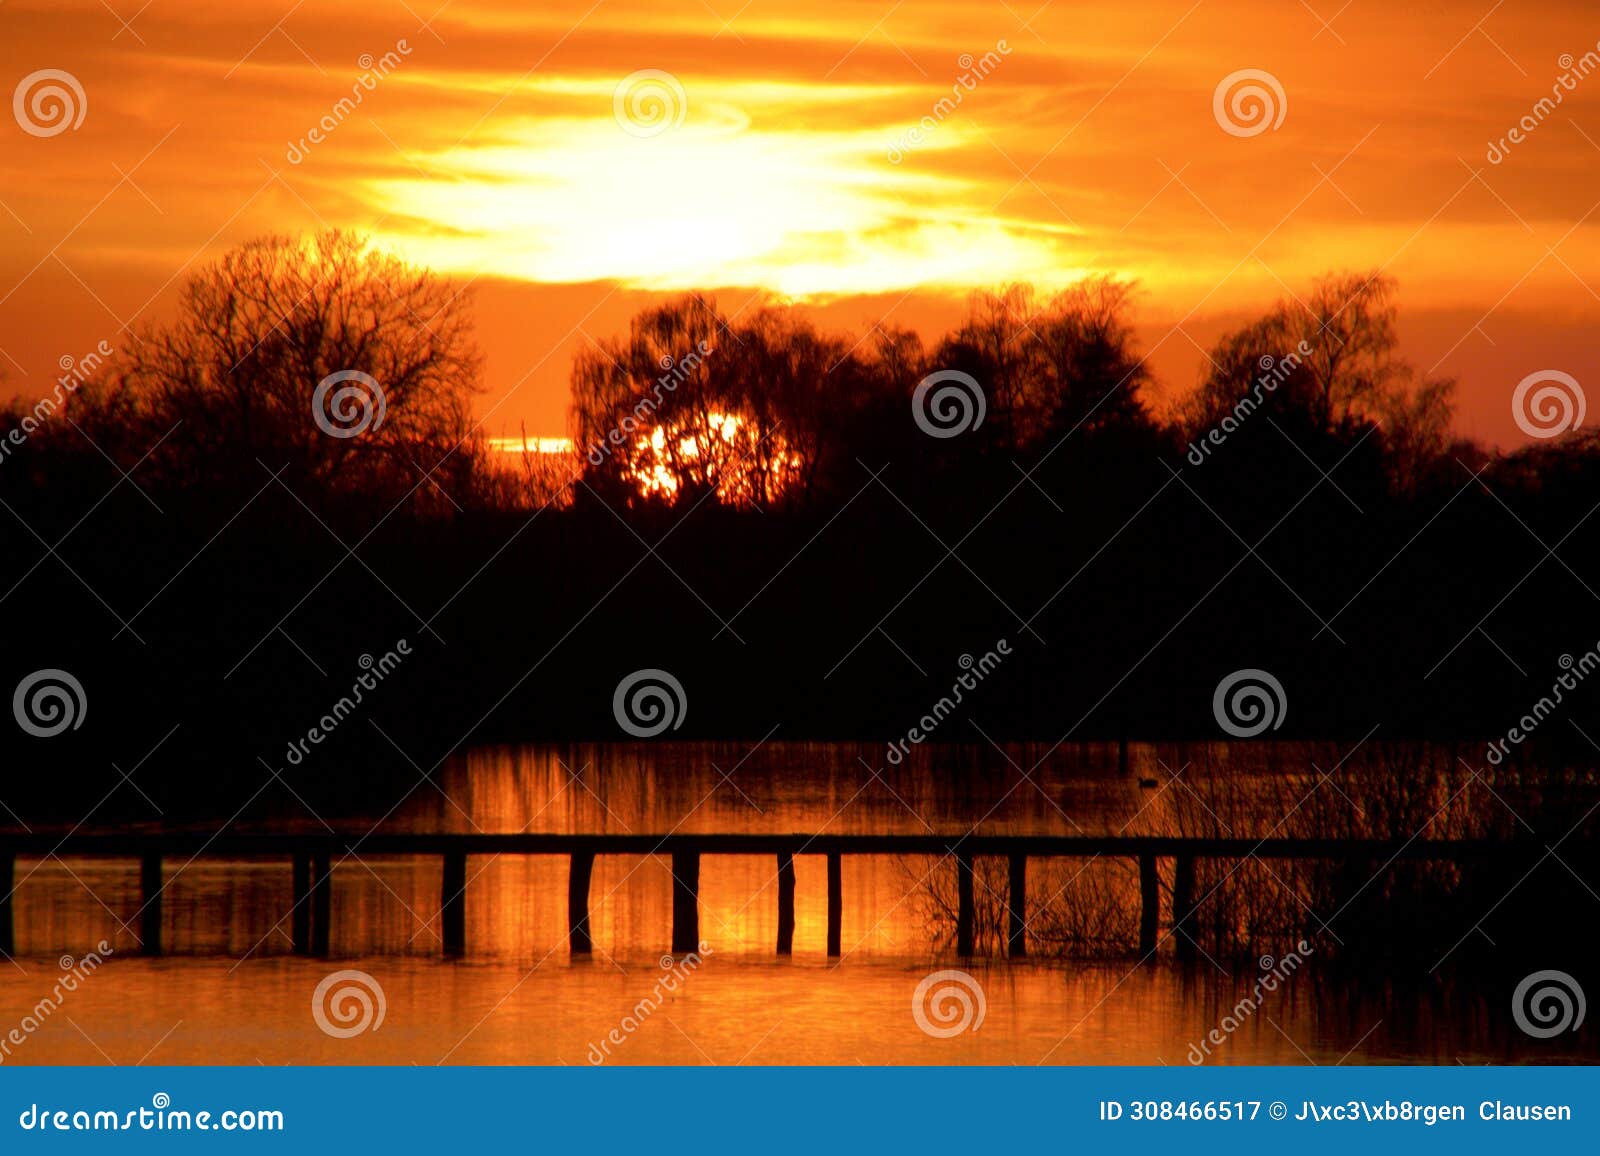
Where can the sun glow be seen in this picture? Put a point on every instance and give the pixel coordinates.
(720, 456)
(530, 445)
(724, 198)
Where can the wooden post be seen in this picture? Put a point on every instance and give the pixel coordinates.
(835, 902)
(1184, 929)
(453, 903)
(685, 902)
(785, 903)
(1149, 901)
(300, 917)
(150, 910)
(321, 903)
(964, 905)
(8, 873)
(1016, 901)
(578, 873)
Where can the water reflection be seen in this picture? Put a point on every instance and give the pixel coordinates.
(234, 994)
(741, 1010)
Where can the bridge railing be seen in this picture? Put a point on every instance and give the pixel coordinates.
(312, 858)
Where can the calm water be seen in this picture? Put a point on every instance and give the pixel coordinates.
(232, 993)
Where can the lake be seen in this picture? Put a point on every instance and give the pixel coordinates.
(229, 990)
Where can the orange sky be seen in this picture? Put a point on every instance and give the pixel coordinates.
(494, 149)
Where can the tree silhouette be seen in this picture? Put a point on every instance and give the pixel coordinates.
(237, 377)
(1325, 364)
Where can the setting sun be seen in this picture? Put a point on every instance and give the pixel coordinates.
(729, 197)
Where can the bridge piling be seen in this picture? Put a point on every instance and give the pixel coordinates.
(453, 904)
(1016, 905)
(785, 903)
(580, 869)
(964, 905)
(835, 902)
(1149, 903)
(685, 902)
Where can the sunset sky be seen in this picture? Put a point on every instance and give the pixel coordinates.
(496, 149)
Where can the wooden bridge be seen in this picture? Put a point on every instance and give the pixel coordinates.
(311, 858)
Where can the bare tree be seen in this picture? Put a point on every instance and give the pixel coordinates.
(1091, 374)
(650, 413)
(997, 345)
(1329, 363)
(1416, 419)
(1053, 367)
(1349, 323)
(691, 403)
(242, 374)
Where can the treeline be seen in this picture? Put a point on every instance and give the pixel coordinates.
(1022, 379)
(808, 530)
(759, 409)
